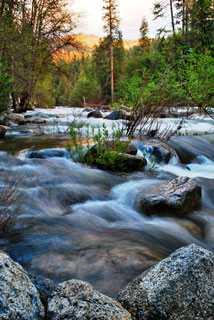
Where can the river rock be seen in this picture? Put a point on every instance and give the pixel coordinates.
(48, 153)
(117, 115)
(15, 117)
(177, 288)
(19, 298)
(43, 285)
(161, 151)
(124, 147)
(124, 163)
(2, 131)
(36, 120)
(75, 299)
(177, 196)
(95, 114)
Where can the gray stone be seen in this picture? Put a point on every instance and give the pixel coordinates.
(19, 298)
(48, 153)
(95, 114)
(161, 151)
(177, 197)
(75, 299)
(36, 120)
(15, 117)
(177, 288)
(117, 115)
(43, 285)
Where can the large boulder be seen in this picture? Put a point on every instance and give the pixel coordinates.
(15, 117)
(75, 299)
(177, 196)
(177, 288)
(19, 298)
(95, 114)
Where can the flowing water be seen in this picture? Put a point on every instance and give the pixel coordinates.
(79, 222)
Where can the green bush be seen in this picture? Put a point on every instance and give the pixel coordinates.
(107, 153)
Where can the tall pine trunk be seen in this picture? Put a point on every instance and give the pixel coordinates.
(172, 16)
(112, 70)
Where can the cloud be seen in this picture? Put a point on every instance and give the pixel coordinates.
(130, 12)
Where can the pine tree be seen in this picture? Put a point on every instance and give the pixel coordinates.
(111, 28)
(144, 40)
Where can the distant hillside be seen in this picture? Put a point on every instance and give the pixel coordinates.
(87, 44)
(91, 40)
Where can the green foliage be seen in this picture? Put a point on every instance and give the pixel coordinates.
(107, 152)
(5, 85)
(44, 93)
(85, 90)
(102, 66)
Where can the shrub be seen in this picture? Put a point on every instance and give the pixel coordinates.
(108, 153)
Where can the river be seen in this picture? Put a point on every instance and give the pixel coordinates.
(79, 222)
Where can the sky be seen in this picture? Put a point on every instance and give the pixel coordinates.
(131, 13)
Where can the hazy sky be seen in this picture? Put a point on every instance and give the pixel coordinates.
(131, 13)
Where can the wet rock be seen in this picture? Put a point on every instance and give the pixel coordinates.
(175, 197)
(15, 117)
(123, 163)
(36, 120)
(179, 287)
(95, 114)
(162, 152)
(117, 115)
(120, 158)
(2, 131)
(44, 286)
(19, 298)
(48, 153)
(123, 146)
(75, 299)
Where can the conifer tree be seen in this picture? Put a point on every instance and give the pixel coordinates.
(111, 29)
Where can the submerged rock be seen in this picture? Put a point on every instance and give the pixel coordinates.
(75, 299)
(179, 287)
(48, 153)
(175, 197)
(19, 298)
(95, 114)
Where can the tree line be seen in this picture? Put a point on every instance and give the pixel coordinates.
(174, 69)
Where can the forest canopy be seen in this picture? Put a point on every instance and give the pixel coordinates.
(176, 68)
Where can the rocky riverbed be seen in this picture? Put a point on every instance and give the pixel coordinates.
(101, 228)
(178, 287)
